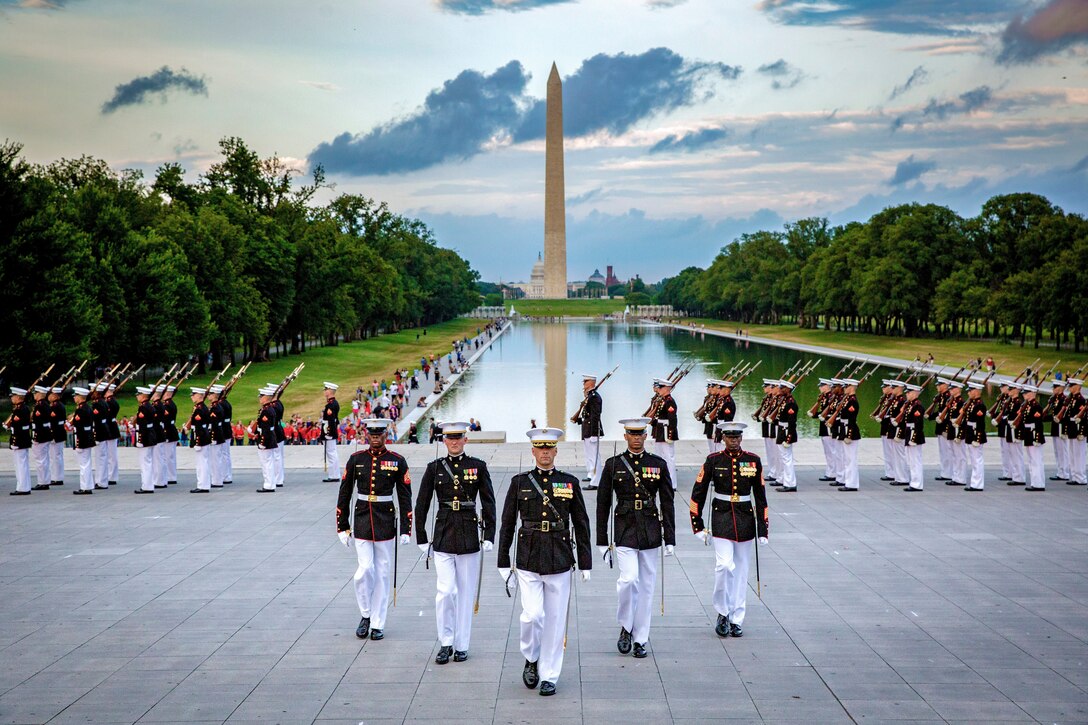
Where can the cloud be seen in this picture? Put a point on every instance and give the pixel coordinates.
(909, 169)
(784, 75)
(614, 92)
(917, 77)
(467, 114)
(588, 196)
(479, 7)
(140, 90)
(321, 85)
(690, 141)
(949, 17)
(966, 103)
(33, 4)
(1054, 27)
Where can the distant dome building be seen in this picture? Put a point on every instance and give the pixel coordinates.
(536, 280)
(596, 277)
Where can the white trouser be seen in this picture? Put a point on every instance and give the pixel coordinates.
(1016, 460)
(372, 579)
(831, 468)
(214, 456)
(1076, 460)
(101, 465)
(544, 602)
(959, 461)
(711, 446)
(156, 466)
(772, 469)
(901, 462)
(279, 465)
(667, 450)
(332, 458)
(457, 575)
(635, 589)
(592, 448)
(56, 458)
(147, 468)
(839, 447)
(1035, 468)
(41, 462)
(944, 452)
(978, 466)
(850, 463)
(111, 448)
(226, 465)
(1061, 456)
(1006, 459)
(890, 467)
(787, 475)
(913, 454)
(731, 560)
(203, 469)
(267, 457)
(21, 459)
(86, 468)
(168, 462)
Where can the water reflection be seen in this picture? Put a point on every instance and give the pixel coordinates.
(535, 372)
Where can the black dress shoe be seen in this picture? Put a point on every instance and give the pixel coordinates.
(377, 634)
(227, 483)
(836, 483)
(214, 485)
(1075, 483)
(103, 488)
(1016, 483)
(18, 493)
(772, 482)
(589, 488)
(168, 483)
(886, 478)
(912, 489)
(1035, 488)
(827, 478)
(363, 629)
(722, 627)
(587, 478)
(279, 485)
(769, 478)
(972, 488)
(529, 675)
(1058, 478)
(950, 482)
(114, 483)
(847, 488)
(443, 656)
(160, 485)
(1003, 478)
(942, 478)
(623, 644)
(735, 630)
(788, 489)
(640, 651)
(81, 492)
(140, 490)
(56, 483)
(899, 483)
(199, 490)
(262, 489)
(40, 487)
(460, 655)
(547, 689)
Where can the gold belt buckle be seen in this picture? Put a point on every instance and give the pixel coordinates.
(372, 498)
(455, 505)
(734, 498)
(545, 526)
(638, 504)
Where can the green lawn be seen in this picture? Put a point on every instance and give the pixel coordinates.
(1009, 358)
(348, 365)
(574, 308)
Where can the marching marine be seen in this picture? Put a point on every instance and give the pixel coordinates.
(911, 425)
(58, 414)
(663, 415)
(785, 420)
(147, 437)
(589, 417)
(265, 427)
(330, 432)
(733, 479)
(1061, 443)
(200, 427)
(43, 437)
(21, 440)
(633, 529)
(845, 430)
(83, 425)
(461, 534)
(972, 432)
(1029, 423)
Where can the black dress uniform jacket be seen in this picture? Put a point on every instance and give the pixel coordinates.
(940, 400)
(1031, 424)
(266, 428)
(57, 415)
(1052, 407)
(892, 414)
(277, 407)
(973, 429)
(170, 421)
(951, 432)
(710, 406)
(551, 551)
(1012, 409)
(728, 474)
(846, 423)
(83, 422)
(330, 421)
(727, 410)
(823, 400)
(644, 502)
(147, 426)
(114, 408)
(913, 429)
(766, 406)
(664, 420)
(1074, 408)
(21, 436)
(456, 525)
(227, 412)
(100, 411)
(591, 416)
(216, 413)
(786, 420)
(43, 432)
(200, 424)
(379, 473)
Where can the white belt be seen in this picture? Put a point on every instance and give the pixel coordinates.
(732, 499)
(376, 499)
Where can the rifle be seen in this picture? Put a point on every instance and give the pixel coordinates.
(288, 380)
(835, 415)
(577, 417)
(1046, 375)
(1027, 371)
(684, 370)
(161, 382)
(72, 374)
(746, 373)
(216, 378)
(843, 368)
(125, 380)
(40, 377)
(235, 378)
(804, 372)
(791, 368)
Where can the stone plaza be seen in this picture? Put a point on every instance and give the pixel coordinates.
(237, 607)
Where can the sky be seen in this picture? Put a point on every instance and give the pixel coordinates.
(687, 122)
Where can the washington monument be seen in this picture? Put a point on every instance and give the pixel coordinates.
(555, 217)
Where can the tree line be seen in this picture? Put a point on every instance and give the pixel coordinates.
(102, 264)
(1015, 270)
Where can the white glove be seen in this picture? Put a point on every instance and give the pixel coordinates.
(703, 536)
(424, 547)
(405, 538)
(504, 572)
(763, 540)
(602, 550)
(487, 545)
(345, 538)
(585, 575)
(669, 549)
